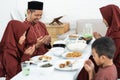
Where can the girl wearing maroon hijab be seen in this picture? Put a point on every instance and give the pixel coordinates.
(111, 18)
(12, 47)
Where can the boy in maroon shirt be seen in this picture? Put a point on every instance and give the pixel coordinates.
(103, 52)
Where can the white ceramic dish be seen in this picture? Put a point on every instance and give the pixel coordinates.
(58, 51)
(77, 46)
(36, 58)
(40, 63)
(59, 42)
(75, 66)
(64, 56)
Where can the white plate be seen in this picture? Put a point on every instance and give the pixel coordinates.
(36, 59)
(66, 68)
(64, 56)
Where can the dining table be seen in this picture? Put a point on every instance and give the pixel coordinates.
(54, 73)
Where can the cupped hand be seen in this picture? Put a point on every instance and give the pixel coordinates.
(96, 35)
(89, 66)
(22, 38)
(30, 50)
(47, 39)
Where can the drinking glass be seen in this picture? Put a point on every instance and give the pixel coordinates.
(87, 29)
(25, 68)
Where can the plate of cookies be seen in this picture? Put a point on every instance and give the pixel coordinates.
(72, 55)
(67, 65)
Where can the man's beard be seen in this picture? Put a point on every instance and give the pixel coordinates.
(35, 21)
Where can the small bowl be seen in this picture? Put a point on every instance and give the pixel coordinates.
(87, 39)
(76, 46)
(57, 51)
(59, 43)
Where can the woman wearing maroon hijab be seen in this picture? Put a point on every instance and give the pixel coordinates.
(111, 18)
(12, 47)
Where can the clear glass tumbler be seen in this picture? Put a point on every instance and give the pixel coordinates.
(87, 29)
(25, 68)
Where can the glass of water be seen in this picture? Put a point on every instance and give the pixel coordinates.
(87, 30)
(25, 68)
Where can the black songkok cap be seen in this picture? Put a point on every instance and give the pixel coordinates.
(35, 5)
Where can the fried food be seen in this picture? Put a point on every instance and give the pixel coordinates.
(73, 36)
(45, 57)
(73, 54)
(67, 63)
(62, 65)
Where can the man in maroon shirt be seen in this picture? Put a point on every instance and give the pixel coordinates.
(37, 34)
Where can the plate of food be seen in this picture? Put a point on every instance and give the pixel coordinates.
(67, 65)
(73, 36)
(41, 58)
(72, 55)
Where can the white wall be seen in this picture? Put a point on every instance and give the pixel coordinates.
(72, 10)
(5, 7)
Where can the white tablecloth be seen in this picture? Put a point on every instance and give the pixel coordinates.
(37, 73)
